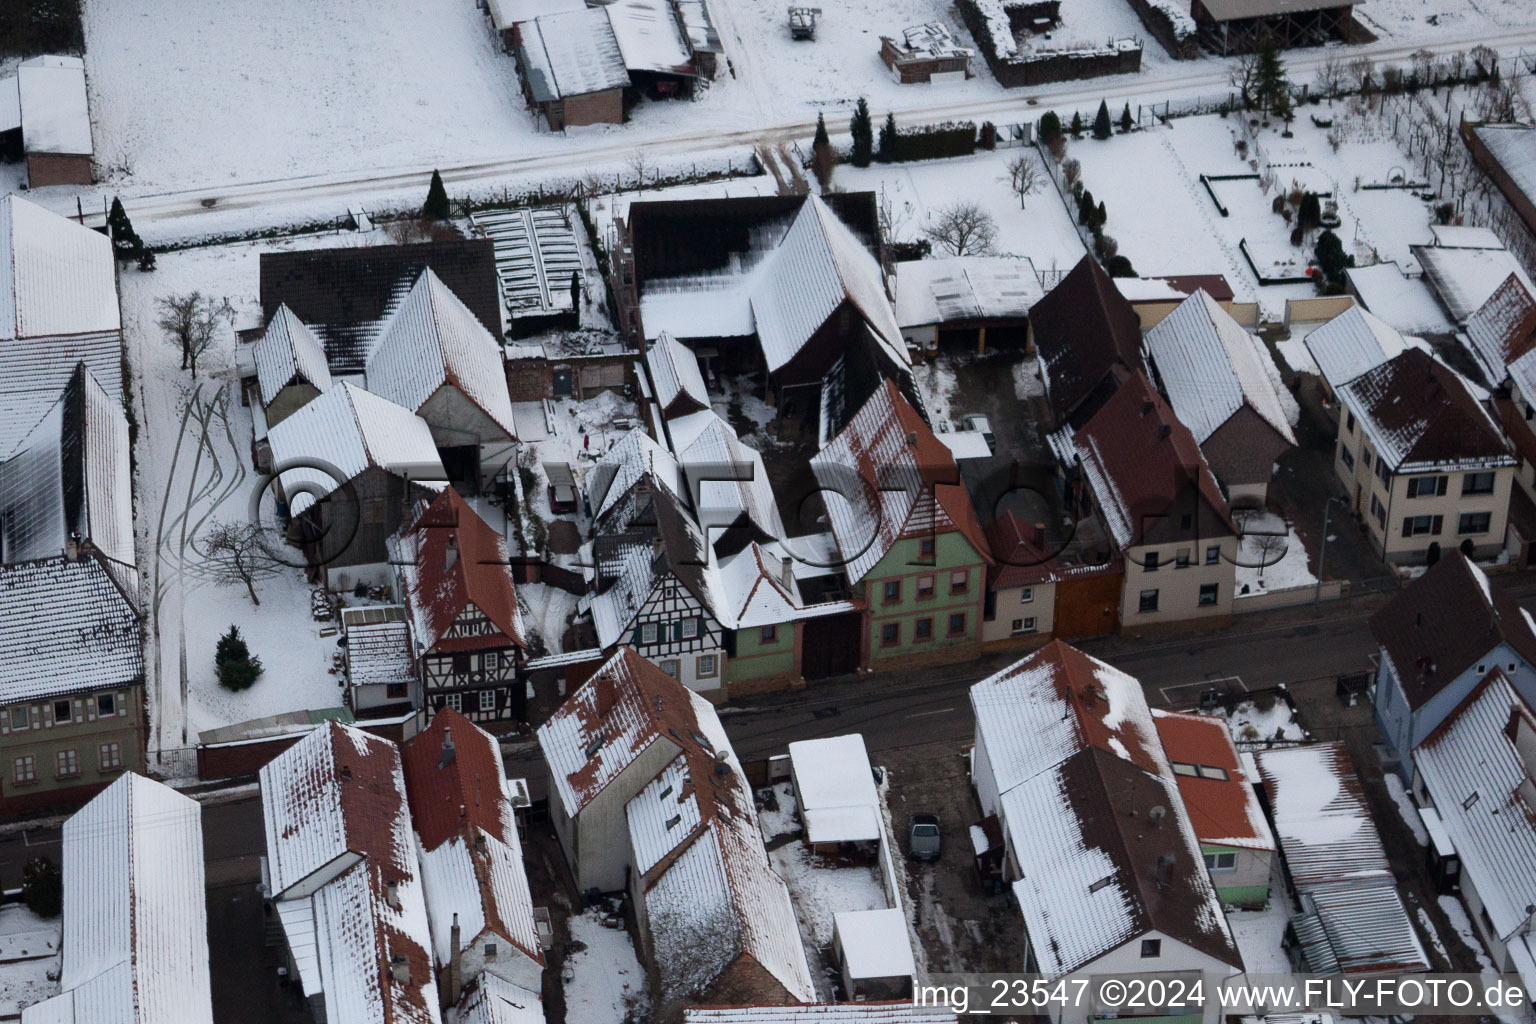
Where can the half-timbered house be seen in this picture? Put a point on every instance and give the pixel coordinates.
(453, 573)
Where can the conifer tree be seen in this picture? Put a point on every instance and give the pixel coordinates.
(1101, 125)
(1125, 119)
(1077, 125)
(863, 133)
(232, 660)
(436, 206)
(126, 244)
(887, 149)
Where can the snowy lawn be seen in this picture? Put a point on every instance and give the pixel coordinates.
(1040, 230)
(29, 952)
(606, 980)
(1249, 723)
(1258, 934)
(1271, 557)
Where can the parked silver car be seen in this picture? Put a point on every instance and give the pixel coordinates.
(925, 840)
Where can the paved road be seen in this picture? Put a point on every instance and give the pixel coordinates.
(196, 212)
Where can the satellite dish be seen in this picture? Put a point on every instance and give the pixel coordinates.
(1156, 813)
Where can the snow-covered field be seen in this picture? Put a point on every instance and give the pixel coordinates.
(1263, 567)
(606, 979)
(29, 953)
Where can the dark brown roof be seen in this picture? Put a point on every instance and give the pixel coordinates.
(479, 574)
(1215, 285)
(1417, 411)
(1446, 622)
(342, 294)
(1022, 558)
(1084, 329)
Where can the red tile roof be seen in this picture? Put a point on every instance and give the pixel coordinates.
(466, 792)
(1021, 560)
(480, 574)
(1224, 812)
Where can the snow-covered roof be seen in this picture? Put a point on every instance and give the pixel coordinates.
(875, 943)
(675, 374)
(835, 790)
(649, 36)
(1419, 412)
(636, 455)
(1211, 368)
(712, 455)
(135, 913)
(819, 265)
(68, 628)
(342, 869)
(56, 277)
(929, 41)
(480, 881)
(345, 431)
(1321, 817)
(537, 253)
(55, 117)
(1465, 236)
(434, 341)
(32, 373)
(1475, 776)
(821, 1013)
(506, 13)
(10, 104)
(1406, 303)
(572, 53)
(378, 645)
(701, 306)
(289, 353)
(753, 590)
(1352, 343)
(885, 477)
(495, 1001)
(1503, 329)
(965, 288)
(628, 704)
(1514, 147)
(1465, 278)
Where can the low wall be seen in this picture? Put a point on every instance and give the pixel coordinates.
(1269, 600)
(1181, 41)
(1017, 70)
(1324, 307)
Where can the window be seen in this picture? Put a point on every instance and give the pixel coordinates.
(890, 634)
(1026, 595)
(1151, 948)
(490, 951)
(672, 667)
(1345, 456)
(1186, 521)
(1187, 770)
(66, 764)
(1383, 472)
(707, 667)
(487, 700)
(925, 547)
(1474, 522)
(454, 700)
(1213, 554)
(959, 581)
(490, 661)
(768, 635)
(925, 586)
(109, 756)
(106, 704)
(957, 624)
(1149, 563)
(690, 629)
(1477, 483)
(892, 591)
(1378, 512)
(395, 691)
(1349, 422)
(648, 633)
(1365, 457)
(1148, 601)
(1417, 526)
(1426, 486)
(1024, 625)
(24, 769)
(1181, 560)
(61, 711)
(461, 663)
(922, 629)
(1208, 593)
(1221, 861)
(18, 719)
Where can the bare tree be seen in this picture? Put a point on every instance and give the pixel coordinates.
(239, 552)
(1331, 77)
(639, 164)
(1025, 176)
(1270, 547)
(963, 228)
(405, 230)
(1072, 173)
(1423, 66)
(1486, 59)
(1362, 71)
(893, 218)
(191, 323)
(1244, 76)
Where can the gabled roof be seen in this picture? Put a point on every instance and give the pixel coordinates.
(289, 353)
(1211, 368)
(1020, 560)
(1513, 146)
(68, 628)
(1222, 804)
(601, 729)
(1044, 708)
(56, 277)
(1447, 621)
(135, 913)
(675, 372)
(820, 1013)
(55, 115)
(965, 288)
(453, 772)
(342, 868)
(572, 53)
(636, 455)
(1503, 329)
(494, 1001)
(1140, 460)
(818, 266)
(1464, 277)
(650, 38)
(432, 340)
(450, 560)
(1084, 328)
(1352, 343)
(1474, 774)
(345, 294)
(345, 431)
(710, 456)
(885, 477)
(1419, 413)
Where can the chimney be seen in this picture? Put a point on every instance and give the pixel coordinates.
(455, 963)
(1146, 406)
(392, 894)
(787, 573)
(448, 751)
(450, 552)
(1164, 871)
(911, 439)
(1163, 430)
(72, 547)
(400, 969)
(1037, 535)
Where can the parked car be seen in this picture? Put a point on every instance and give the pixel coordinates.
(925, 841)
(979, 423)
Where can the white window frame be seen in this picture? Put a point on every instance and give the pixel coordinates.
(487, 706)
(66, 763)
(24, 769)
(691, 628)
(109, 756)
(454, 700)
(649, 632)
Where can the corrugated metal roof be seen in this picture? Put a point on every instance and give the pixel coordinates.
(55, 116)
(56, 277)
(289, 353)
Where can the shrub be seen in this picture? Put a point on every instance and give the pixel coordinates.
(1264, 703)
(934, 141)
(1050, 127)
(1119, 266)
(987, 137)
(1101, 125)
(232, 660)
(1077, 125)
(1331, 259)
(42, 887)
